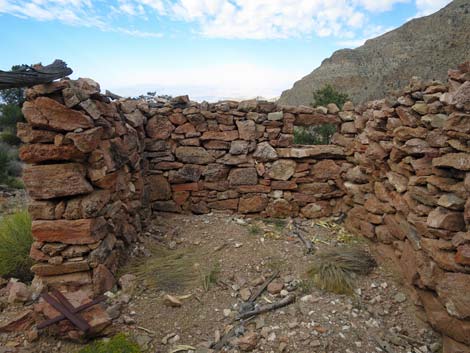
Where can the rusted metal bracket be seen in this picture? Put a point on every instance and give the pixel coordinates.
(68, 312)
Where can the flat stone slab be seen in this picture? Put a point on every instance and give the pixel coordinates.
(318, 151)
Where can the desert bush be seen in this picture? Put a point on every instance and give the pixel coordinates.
(10, 166)
(117, 344)
(15, 243)
(14, 183)
(15, 168)
(314, 135)
(328, 94)
(5, 160)
(9, 138)
(335, 270)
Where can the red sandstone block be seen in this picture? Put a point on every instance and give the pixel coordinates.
(283, 185)
(185, 187)
(254, 188)
(80, 231)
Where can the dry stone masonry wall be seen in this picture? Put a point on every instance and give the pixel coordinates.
(399, 170)
(410, 188)
(239, 157)
(85, 182)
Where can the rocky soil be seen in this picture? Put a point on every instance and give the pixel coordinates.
(379, 317)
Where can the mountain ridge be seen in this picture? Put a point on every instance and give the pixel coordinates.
(424, 47)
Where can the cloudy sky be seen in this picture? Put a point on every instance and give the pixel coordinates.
(208, 48)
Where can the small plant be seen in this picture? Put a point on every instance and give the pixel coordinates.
(117, 344)
(210, 278)
(14, 183)
(254, 229)
(328, 94)
(306, 286)
(275, 264)
(15, 243)
(279, 224)
(10, 167)
(314, 135)
(335, 270)
(9, 138)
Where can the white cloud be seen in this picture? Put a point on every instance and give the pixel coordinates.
(380, 5)
(73, 12)
(233, 19)
(427, 7)
(269, 18)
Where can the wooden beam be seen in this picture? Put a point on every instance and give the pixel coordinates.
(34, 75)
(61, 317)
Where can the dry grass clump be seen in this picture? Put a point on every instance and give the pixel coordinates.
(173, 270)
(15, 242)
(335, 270)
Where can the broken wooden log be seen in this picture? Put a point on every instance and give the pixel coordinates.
(28, 76)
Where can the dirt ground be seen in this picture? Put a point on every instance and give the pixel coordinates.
(379, 317)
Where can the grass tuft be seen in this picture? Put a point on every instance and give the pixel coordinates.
(279, 224)
(117, 344)
(209, 277)
(254, 229)
(15, 243)
(173, 270)
(335, 270)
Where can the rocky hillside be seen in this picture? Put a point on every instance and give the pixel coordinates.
(423, 47)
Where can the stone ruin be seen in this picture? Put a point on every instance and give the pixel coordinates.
(398, 169)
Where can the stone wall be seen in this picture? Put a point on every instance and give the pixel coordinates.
(410, 188)
(84, 178)
(399, 170)
(239, 157)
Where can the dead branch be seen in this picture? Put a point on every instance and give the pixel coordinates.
(261, 289)
(29, 76)
(265, 308)
(297, 231)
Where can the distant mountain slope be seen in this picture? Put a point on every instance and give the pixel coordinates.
(424, 47)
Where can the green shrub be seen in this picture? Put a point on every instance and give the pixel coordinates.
(4, 163)
(15, 243)
(10, 166)
(327, 95)
(14, 183)
(10, 115)
(15, 168)
(9, 138)
(314, 135)
(118, 344)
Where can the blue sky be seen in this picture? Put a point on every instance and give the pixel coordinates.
(209, 49)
